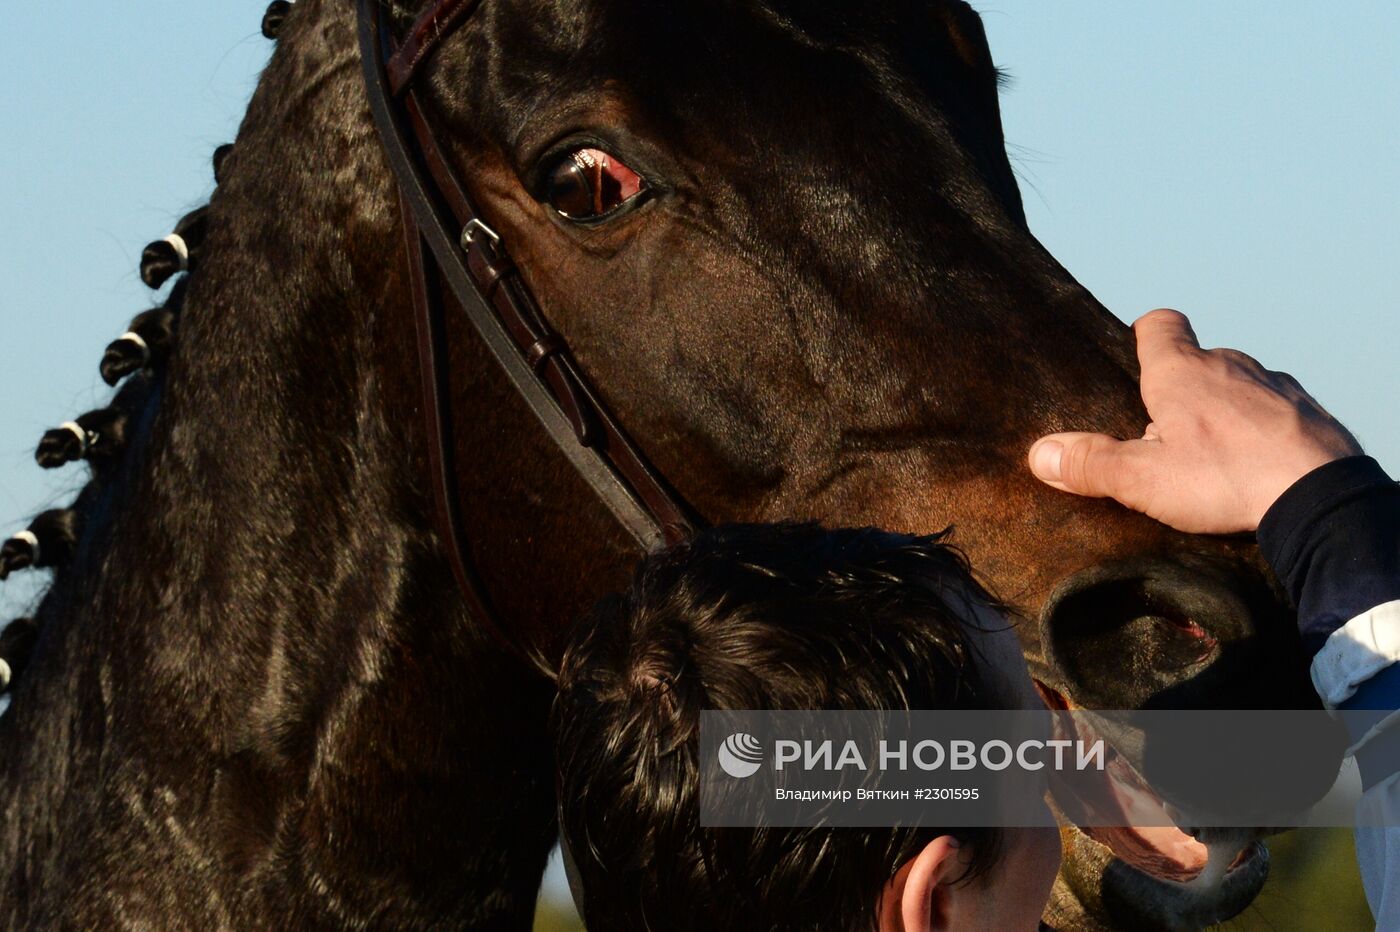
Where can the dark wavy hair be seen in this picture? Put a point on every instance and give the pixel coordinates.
(787, 616)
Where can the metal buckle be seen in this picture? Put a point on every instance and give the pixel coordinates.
(475, 225)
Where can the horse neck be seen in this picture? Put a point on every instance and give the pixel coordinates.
(258, 649)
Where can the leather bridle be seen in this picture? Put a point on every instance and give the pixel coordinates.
(449, 242)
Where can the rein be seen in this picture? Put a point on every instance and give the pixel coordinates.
(449, 242)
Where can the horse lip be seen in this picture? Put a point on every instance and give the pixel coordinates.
(1122, 789)
(1199, 605)
(1138, 900)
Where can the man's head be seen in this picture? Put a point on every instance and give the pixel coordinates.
(782, 617)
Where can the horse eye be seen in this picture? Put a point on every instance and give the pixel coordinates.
(587, 184)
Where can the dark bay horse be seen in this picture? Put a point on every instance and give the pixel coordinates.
(785, 241)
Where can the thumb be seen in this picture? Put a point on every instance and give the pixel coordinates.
(1096, 465)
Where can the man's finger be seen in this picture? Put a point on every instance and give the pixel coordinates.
(1091, 464)
(1162, 332)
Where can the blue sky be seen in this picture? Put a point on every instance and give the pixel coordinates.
(1240, 161)
(1237, 160)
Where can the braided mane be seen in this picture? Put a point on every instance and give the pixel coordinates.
(134, 364)
(243, 684)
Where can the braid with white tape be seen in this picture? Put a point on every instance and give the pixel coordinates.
(84, 438)
(27, 536)
(131, 336)
(182, 249)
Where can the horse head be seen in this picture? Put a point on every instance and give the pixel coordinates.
(787, 242)
(786, 245)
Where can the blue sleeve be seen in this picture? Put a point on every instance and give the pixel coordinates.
(1333, 539)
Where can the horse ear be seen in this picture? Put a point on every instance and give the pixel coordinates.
(968, 37)
(978, 105)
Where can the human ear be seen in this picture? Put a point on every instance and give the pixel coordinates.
(918, 898)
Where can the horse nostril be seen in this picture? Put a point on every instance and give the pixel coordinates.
(1188, 628)
(1144, 633)
(1186, 643)
(1192, 635)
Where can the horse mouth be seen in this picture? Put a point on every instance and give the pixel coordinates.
(1136, 898)
(1150, 872)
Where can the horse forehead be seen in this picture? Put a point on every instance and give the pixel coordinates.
(758, 64)
(717, 28)
(719, 81)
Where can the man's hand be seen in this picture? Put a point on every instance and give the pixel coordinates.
(1227, 437)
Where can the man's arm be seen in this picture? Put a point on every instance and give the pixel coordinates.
(1333, 539)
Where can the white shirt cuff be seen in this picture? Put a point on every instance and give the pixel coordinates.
(1357, 651)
